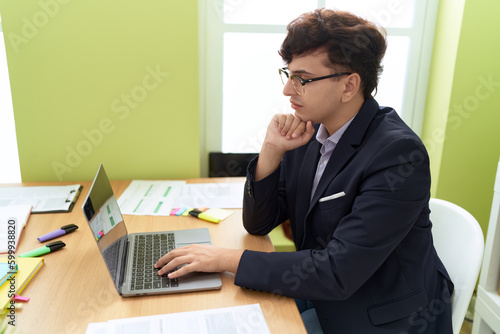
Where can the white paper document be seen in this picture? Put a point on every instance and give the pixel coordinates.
(222, 195)
(158, 198)
(247, 319)
(43, 199)
(153, 198)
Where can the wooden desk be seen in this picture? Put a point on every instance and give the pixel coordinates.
(73, 288)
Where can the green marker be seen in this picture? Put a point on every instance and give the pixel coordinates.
(48, 248)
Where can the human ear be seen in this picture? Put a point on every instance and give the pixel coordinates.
(351, 87)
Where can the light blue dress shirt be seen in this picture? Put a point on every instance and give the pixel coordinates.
(328, 145)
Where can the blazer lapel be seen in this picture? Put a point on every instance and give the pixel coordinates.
(304, 187)
(341, 156)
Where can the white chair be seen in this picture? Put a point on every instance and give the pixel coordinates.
(459, 242)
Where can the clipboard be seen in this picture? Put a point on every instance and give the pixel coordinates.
(45, 199)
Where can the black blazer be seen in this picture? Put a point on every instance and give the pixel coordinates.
(365, 254)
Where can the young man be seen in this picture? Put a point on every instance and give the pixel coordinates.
(356, 194)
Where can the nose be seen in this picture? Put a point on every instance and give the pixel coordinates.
(288, 89)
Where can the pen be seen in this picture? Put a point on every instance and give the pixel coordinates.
(204, 216)
(57, 233)
(48, 248)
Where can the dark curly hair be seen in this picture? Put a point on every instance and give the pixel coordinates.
(353, 43)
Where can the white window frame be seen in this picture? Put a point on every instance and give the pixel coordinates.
(211, 32)
(10, 171)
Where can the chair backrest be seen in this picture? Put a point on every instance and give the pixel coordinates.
(459, 242)
(228, 164)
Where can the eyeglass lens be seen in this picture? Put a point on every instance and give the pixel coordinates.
(297, 85)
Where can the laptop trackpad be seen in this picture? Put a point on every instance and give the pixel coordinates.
(194, 236)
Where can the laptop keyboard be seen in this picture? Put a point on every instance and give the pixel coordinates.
(147, 250)
(111, 257)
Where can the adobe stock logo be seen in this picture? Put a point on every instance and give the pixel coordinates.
(459, 111)
(121, 108)
(30, 27)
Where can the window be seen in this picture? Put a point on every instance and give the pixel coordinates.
(240, 86)
(9, 168)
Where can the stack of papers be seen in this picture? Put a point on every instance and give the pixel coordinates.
(13, 219)
(150, 197)
(239, 319)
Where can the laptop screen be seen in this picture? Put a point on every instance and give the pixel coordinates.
(106, 223)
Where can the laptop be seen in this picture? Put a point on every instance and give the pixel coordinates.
(130, 258)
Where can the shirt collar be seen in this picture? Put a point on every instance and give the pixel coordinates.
(322, 135)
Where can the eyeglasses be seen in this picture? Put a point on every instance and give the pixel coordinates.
(298, 83)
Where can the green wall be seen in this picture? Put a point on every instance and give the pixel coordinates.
(104, 81)
(117, 83)
(463, 138)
